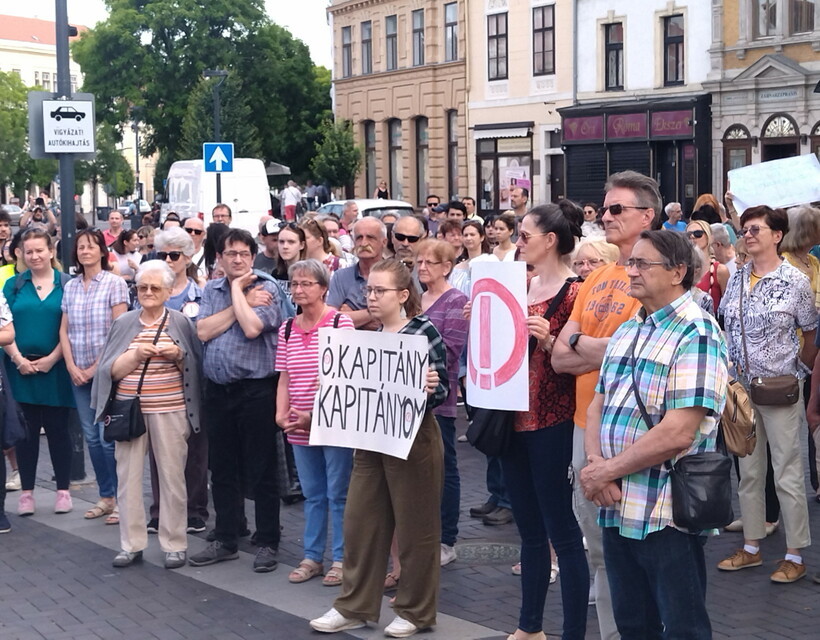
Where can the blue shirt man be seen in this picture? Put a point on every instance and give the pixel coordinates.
(674, 213)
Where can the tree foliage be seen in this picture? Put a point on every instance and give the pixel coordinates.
(151, 53)
(109, 168)
(338, 159)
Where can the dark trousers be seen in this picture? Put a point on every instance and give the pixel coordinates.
(658, 585)
(196, 477)
(496, 485)
(54, 420)
(239, 418)
(536, 469)
(451, 495)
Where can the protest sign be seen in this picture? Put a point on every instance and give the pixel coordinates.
(371, 390)
(777, 183)
(497, 352)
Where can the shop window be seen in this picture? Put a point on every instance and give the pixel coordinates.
(422, 159)
(391, 42)
(451, 32)
(673, 53)
(395, 158)
(418, 37)
(543, 40)
(347, 52)
(503, 164)
(497, 46)
(367, 47)
(614, 56)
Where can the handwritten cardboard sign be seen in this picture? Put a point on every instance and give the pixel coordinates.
(777, 183)
(371, 390)
(497, 352)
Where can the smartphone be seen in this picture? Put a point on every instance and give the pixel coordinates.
(40, 202)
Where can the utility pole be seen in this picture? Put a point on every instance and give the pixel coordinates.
(68, 223)
(221, 74)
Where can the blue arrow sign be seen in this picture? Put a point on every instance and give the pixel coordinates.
(218, 157)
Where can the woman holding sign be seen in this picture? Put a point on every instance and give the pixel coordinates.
(388, 493)
(324, 472)
(540, 452)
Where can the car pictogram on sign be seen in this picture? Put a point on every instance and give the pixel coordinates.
(67, 112)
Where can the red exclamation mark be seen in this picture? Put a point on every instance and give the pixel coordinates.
(485, 360)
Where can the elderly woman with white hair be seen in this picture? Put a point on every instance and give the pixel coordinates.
(154, 353)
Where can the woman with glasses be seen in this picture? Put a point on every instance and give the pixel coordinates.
(591, 254)
(504, 228)
(716, 275)
(146, 238)
(387, 493)
(292, 248)
(777, 300)
(91, 303)
(37, 371)
(126, 254)
(324, 472)
(592, 227)
(158, 348)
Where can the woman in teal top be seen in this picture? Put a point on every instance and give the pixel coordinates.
(39, 379)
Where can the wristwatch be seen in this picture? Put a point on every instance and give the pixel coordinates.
(573, 340)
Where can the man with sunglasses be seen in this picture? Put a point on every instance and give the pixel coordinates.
(632, 205)
(195, 228)
(407, 232)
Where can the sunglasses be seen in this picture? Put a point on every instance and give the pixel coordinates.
(752, 229)
(618, 209)
(197, 232)
(402, 237)
(150, 246)
(525, 237)
(153, 288)
(174, 255)
(697, 233)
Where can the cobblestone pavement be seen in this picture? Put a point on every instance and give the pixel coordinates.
(56, 582)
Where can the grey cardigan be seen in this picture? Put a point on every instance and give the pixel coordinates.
(123, 331)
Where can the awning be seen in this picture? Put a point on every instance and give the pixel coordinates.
(517, 132)
(276, 169)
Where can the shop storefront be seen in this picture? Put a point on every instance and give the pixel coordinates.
(504, 161)
(669, 140)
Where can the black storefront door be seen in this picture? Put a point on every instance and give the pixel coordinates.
(666, 167)
(779, 150)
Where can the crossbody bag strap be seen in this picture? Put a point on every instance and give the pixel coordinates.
(553, 307)
(743, 333)
(156, 339)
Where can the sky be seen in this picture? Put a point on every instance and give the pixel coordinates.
(305, 19)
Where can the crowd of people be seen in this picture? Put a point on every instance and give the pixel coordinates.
(637, 317)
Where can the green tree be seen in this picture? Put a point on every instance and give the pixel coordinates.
(338, 159)
(109, 168)
(15, 164)
(235, 123)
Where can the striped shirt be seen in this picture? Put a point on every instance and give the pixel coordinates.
(299, 358)
(679, 361)
(421, 326)
(162, 387)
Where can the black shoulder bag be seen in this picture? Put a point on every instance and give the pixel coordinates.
(491, 429)
(701, 482)
(123, 420)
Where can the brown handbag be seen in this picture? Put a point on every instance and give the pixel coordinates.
(737, 423)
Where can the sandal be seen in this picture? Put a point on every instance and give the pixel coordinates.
(333, 578)
(114, 518)
(102, 508)
(306, 570)
(391, 581)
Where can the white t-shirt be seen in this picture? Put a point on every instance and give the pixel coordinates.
(291, 196)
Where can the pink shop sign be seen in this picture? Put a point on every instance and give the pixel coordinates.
(627, 125)
(672, 123)
(586, 128)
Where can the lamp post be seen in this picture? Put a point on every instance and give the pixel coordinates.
(221, 74)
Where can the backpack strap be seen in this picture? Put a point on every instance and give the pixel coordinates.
(288, 329)
(336, 320)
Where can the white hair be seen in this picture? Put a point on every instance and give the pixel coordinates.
(175, 237)
(156, 266)
(670, 206)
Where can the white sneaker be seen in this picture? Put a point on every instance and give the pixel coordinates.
(448, 554)
(554, 571)
(334, 621)
(400, 628)
(13, 483)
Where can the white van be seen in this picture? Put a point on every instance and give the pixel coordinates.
(191, 191)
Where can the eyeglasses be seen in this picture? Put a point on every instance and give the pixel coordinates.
(230, 255)
(429, 263)
(618, 209)
(303, 285)
(753, 229)
(525, 237)
(153, 288)
(142, 236)
(592, 262)
(641, 264)
(150, 246)
(402, 237)
(197, 232)
(697, 233)
(377, 292)
(174, 255)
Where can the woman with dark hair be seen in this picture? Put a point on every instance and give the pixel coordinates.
(292, 249)
(216, 231)
(489, 231)
(504, 227)
(761, 332)
(39, 379)
(91, 303)
(125, 251)
(537, 462)
(387, 493)
(592, 226)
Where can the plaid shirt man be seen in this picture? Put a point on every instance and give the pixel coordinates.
(678, 358)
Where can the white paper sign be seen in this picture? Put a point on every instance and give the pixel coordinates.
(68, 126)
(497, 353)
(777, 183)
(371, 390)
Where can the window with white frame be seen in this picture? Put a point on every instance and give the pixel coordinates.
(673, 52)
(391, 42)
(614, 56)
(367, 47)
(418, 37)
(497, 46)
(451, 32)
(347, 52)
(543, 40)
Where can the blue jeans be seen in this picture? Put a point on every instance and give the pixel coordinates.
(658, 585)
(451, 495)
(324, 473)
(536, 469)
(495, 483)
(100, 451)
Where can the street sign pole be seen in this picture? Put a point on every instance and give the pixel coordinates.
(68, 224)
(218, 136)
